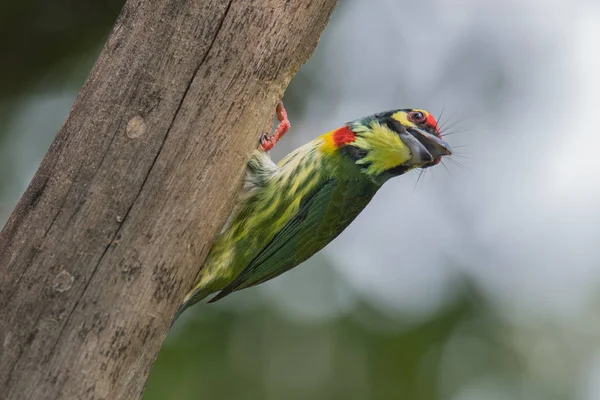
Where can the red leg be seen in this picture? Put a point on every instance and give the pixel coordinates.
(268, 142)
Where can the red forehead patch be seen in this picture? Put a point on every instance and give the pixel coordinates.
(433, 123)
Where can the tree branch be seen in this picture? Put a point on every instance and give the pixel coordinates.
(116, 223)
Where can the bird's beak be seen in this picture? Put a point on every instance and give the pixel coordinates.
(427, 149)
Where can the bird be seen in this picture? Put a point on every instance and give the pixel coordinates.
(287, 212)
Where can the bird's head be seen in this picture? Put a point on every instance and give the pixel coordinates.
(390, 143)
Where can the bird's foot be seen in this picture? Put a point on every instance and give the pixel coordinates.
(267, 142)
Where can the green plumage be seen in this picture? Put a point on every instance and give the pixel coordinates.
(324, 213)
(288, 212)
(284, 215)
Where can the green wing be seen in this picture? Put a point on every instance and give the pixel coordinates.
(298, 240)
(324, 215)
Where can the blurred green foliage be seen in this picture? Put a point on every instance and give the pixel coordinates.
(261, 354)
(40, 38)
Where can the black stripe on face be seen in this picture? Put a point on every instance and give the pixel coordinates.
(354, 152)
(399, 170)
(394, 125)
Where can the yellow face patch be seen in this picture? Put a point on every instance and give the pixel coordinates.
(402, 117)
(385, 149)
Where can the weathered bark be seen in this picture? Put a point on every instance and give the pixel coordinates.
(118, 219)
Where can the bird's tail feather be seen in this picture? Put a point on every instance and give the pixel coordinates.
(196, 297)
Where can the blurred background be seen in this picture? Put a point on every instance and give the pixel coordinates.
(482, 281)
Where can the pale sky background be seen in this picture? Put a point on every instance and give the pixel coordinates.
(522, 220)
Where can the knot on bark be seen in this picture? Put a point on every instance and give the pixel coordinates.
(63, 281)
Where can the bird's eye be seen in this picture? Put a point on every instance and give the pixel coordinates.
(417, 117)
